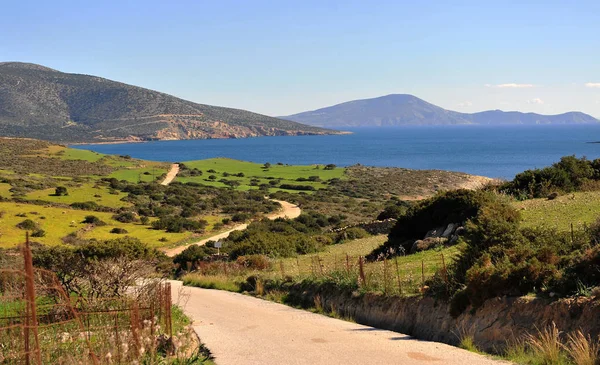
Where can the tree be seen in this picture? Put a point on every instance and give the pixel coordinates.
(61, 191)
(329, 167)
(267, 165)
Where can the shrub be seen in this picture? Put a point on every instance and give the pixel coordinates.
(240, 217)
(255, 262)
(61, 191)
(329, 167)
(38, 233)
(351, 234)
(28, 225)
(125, 217)
(179, 224)
(85, 205)
(118, 230)
(92, 219)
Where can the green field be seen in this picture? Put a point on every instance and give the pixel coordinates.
(83, 193)
(286, 174)
(577, 208)
(5, 190)
(59, 222)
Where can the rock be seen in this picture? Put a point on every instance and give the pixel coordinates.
(435, 232)
(448, 231)
(460, 231)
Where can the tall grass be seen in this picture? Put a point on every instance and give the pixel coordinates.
(582, 349)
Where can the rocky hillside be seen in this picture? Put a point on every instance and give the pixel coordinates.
(39, 102)
(401, 109)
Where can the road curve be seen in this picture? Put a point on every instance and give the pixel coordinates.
(173, 171)
(240, 329)
(288, 210)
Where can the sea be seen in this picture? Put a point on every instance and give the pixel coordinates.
(493, 151)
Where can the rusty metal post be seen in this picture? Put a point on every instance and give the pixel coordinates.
(30, 298)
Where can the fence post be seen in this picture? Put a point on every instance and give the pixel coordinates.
(385, 276)
(347, 264)
(31, 309)
(361, 271)
(398, 275)
(422, 274)
(168, 326)
(444, 269)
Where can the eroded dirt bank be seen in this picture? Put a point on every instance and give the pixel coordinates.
(497, 321)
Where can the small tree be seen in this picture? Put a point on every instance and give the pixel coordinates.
(61, 191)
(267, 165)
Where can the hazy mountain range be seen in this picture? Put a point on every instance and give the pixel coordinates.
(403, 109)
(39, 102)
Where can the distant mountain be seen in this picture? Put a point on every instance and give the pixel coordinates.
(39, 102)
(403, 109)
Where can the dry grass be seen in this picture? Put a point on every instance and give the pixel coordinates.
(546, 344)
(582, 349)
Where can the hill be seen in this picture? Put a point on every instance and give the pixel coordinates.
(39, 102)
(403, 109)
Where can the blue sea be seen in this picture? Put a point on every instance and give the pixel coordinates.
(494, 151)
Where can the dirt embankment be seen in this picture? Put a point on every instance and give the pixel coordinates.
(492, 325)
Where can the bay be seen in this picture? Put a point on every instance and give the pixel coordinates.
(494, 151)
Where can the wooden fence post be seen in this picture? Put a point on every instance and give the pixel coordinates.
(398, 275)
(361, 271)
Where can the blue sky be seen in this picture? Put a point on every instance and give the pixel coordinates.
(282, 57)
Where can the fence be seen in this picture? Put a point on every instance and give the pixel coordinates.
(41, 324)
(395, 276)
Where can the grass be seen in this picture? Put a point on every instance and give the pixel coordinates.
(59, 222)
(82, 193)
(332, 265)
(5, 190)
(577, 208)
(287, 174)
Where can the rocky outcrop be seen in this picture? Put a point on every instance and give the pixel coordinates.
(492, 325)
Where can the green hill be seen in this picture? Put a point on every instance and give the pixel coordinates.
(39, 102)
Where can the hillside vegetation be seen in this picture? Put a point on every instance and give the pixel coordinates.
(39, 102)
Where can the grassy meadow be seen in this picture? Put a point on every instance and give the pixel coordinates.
(579, 208)
(60, 222)
(285, 173)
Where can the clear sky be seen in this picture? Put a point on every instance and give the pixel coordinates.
(281, 57)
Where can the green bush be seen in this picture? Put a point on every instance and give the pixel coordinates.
(28, 225)
(456, 206)
(125, 217)
(118, 230)
(179, 224)
(61, 191)
(92, 219)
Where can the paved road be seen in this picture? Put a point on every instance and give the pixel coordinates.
(240, 329)
(171, 174)
(288, 210)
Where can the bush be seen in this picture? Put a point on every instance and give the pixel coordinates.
(329, 167)
(61, 191)
(353, 233)
(118, 230)
(28, 225)
(192, 255)
(92, 219)
(85, 205)
(254, 262)
(38, 233)
(455, 206)
(179, 224)
(125, 217)
(240, 217)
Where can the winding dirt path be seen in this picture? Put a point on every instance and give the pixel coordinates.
(239, 329)
(171, 174)
(288, 210)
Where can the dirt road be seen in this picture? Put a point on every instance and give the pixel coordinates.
(171, 174)
(289, 211)
(240, 329)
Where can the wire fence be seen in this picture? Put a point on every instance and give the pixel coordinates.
(41, 324)
(403, 276)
